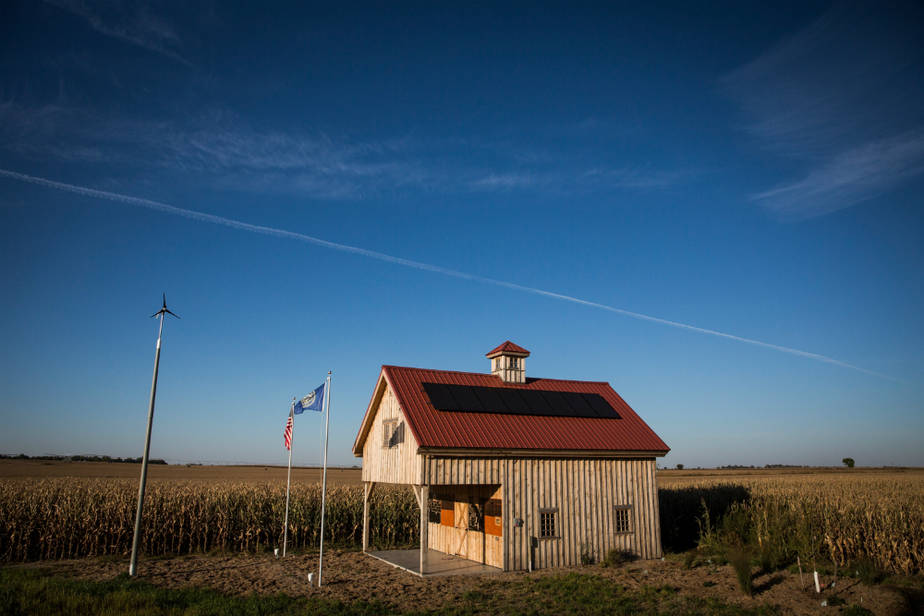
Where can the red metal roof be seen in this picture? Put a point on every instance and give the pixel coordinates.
(453, 429)
(507, 347)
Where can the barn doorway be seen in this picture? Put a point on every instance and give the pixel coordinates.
(467, 521)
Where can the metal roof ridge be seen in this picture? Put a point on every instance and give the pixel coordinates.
(487, 374)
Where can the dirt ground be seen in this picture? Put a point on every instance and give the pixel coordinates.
(352, 576)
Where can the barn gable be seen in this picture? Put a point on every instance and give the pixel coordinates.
(385, 441)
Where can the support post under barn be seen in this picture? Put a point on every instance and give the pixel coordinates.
(423, 499)
(367, 492)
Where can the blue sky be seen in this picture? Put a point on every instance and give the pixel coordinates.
(718, 210)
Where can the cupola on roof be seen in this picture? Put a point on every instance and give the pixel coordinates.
(508, 362)
(507, 348)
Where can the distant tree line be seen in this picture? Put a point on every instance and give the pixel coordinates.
(22, 456)
(742, 466)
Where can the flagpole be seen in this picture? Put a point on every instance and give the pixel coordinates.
(324, 476)
(285, 524)
(133, 566)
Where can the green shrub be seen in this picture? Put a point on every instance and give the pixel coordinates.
(867, 572)
(740, 561)
(616, 558)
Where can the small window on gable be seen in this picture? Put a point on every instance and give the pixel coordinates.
(392, 433)
(514, 362)
(622, 518)
(547, 523)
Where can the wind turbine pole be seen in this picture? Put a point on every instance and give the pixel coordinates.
(133, 567)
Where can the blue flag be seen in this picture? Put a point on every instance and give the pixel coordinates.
(312, 402)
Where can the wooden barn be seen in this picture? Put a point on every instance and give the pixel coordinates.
(513, 472)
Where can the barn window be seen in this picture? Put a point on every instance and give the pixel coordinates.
(392, 433)
(547, 522)
(622, 519)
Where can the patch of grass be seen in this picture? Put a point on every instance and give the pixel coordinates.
(856, 610)
(475, 596)
(36, 592)
(27, 592)
(588, 594)
(617, 558)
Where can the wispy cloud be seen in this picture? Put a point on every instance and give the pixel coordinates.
(849, 177)
(842, 98)
(224, 149)
(505, 181)
(638, 178)
(418, 265)
(219, 148)
(133, 23)
(583, 180)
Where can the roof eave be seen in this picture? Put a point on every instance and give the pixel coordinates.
(552, 453)
(366, 424)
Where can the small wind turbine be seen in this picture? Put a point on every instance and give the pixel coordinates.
(132, 568)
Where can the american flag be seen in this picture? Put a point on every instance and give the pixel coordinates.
(288, 434)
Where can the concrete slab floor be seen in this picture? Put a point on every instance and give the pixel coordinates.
(436, 563)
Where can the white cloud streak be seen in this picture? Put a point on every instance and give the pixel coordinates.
(418, 265)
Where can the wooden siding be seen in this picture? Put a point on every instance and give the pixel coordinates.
(584, 492)
(473, 545)
(399, 463)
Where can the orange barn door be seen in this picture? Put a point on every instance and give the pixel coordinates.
(493, 518)
(493, 534)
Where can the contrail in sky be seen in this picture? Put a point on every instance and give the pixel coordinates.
(244, 226)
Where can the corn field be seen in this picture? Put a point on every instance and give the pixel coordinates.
(841, 519)
(837, 518)
(68, 518)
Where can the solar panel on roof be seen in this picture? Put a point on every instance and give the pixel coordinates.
(491, 400)
(580, 405)
(600, 406)
(440, 396)
(536, 403)
(466, 399)
(515, 401)
(555, 400)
